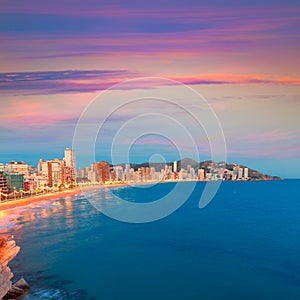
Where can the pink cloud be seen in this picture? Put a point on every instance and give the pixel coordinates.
(61, 82)
(31, 114)
(237, 79)
(32, 111)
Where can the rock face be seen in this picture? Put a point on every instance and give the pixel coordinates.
(17, 290)
(8, 250)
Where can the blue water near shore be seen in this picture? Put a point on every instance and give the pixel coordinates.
(244, 245)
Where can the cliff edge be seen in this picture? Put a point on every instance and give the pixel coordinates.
(8, 251)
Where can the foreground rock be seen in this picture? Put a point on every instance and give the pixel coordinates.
(8, 250)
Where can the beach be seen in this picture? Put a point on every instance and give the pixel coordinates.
(52, 196)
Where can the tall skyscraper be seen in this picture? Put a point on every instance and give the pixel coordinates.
(240, 173)
(3, 184)
(175, 166)
(102, 170)
(70, 170)
(53, 171)
(201, 174)
(70, 158)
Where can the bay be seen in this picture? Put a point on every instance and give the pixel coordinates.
(245, 244)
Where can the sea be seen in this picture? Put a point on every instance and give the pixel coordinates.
(245, 244)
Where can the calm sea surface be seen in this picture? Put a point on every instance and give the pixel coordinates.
(244, 245)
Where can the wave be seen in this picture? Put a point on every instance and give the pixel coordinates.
(46, 294)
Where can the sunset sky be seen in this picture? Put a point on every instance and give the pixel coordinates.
(242, 56)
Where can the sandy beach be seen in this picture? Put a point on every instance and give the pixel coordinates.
(52, 196)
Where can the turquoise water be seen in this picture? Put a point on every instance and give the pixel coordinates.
(244, 245)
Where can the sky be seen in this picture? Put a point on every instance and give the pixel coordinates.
(241, 56)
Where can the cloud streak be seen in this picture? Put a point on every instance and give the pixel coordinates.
(238, 79)
(67, 81)
(96, 29)
(56, 55)
(82, 81)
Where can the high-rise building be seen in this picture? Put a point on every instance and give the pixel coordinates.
(119, 173)
(3, 184)
(192, 173)
(148, 174)
(201, 174)
(235, 172)
(53, 172)
(18, 167)
(81, 173)
(175, 166)
(70, 165)
(102, 170)
(15, 182)
(113, 175)
(153, 173)
(127, 175)
(240, 173)
(70, 158)
(39, 168)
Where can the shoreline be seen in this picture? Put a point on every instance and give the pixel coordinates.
(11, 204)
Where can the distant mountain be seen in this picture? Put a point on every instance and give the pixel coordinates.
(185, 162)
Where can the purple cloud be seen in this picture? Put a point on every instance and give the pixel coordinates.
(71, 81)
(67, 81)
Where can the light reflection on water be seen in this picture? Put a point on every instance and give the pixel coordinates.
(244, 245)
(45, 228)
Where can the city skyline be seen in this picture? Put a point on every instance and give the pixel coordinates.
(57, 56)
(36, 165)
(19, 179)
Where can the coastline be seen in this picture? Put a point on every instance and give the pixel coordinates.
(20, 202)
(11, 204)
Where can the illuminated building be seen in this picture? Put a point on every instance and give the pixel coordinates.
(15, 182)
(70, 166)
(3, 183)
(53, 171)
(102, 170)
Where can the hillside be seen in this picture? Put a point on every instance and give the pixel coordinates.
(208, 166)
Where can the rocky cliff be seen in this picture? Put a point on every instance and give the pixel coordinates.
(8, 250)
